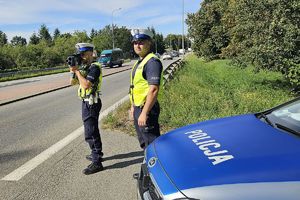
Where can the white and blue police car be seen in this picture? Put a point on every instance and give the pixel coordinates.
(246, 157)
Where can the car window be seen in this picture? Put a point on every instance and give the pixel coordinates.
(105, 55)
(287, 116)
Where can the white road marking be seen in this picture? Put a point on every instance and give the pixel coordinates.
(34, 162)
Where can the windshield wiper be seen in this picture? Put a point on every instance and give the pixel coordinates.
(267, 119)
(287, 129)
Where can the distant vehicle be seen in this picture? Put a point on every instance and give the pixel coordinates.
(174, 53)
(167, 56)
(181, 51)
(111, 57)
(250, 156)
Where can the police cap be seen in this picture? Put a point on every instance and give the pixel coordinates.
(141, 34)
(82, 47)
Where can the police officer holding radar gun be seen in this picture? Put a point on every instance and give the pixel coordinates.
(88, 75)
(144, 87)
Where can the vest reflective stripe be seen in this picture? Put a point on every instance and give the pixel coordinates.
(139, 86)
(84, 93)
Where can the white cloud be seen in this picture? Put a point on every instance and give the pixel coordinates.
(138, 18)
(164, 20)
(35, 11)
(24, 34)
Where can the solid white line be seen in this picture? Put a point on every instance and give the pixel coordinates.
(34, 162)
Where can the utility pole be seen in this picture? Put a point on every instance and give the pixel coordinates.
(155, 45)
(112, 25)
(183, 26)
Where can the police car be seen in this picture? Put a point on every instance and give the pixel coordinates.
(246, 157)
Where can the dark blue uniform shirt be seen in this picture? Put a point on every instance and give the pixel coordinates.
(152, 71)
(93, 74)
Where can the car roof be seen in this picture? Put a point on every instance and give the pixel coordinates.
(106, 51)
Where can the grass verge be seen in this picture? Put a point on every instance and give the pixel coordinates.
(119, 120)
(208, 90)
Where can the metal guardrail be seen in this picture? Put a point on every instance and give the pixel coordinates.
(169, 72)
(8, 74)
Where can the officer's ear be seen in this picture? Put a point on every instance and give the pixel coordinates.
(151, 44)
(148, 42)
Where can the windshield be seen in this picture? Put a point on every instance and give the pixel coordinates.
(103, 56)
(286, 117)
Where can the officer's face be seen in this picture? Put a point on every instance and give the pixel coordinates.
(87, 57)
(142, 47)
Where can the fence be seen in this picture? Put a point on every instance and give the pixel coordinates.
(9, 74)
(169, 72)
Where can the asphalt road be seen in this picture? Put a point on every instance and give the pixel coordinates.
(31, 126)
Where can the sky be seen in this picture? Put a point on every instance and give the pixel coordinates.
(25, 17)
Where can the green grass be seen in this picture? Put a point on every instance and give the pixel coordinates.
(119, 120)
(208, 90)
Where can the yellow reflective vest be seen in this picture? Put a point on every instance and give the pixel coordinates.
(139, 86)
(96, 87)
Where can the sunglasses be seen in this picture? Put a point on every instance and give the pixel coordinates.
(138, 42)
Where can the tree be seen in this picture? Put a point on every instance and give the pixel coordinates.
(65, 46)
(56, 33)
(7, 59)
(3, 38)
(18, 41)
(66, 35)
(264, 34)
(123, 40)
(174, 42)
(171, 42)
(207, 30)
(158, 42)
(44, 34)
(93, 33)
(82, 36)
(34, 39)
(268, 36)
(103, 40)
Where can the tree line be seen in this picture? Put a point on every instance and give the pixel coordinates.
(46, 50)
(264, 34)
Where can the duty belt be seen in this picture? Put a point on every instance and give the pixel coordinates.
(92, 98)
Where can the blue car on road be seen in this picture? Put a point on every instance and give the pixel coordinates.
(245, 157)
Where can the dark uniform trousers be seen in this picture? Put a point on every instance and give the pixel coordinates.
(90, 116)
(151, 131)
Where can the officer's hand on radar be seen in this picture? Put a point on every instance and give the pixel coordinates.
(73, 68)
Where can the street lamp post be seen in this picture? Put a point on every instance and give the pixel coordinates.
(155, 45)
(183, 26)
(112, 25)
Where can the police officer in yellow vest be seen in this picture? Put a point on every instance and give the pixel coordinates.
(145, 82)
(89, 78)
